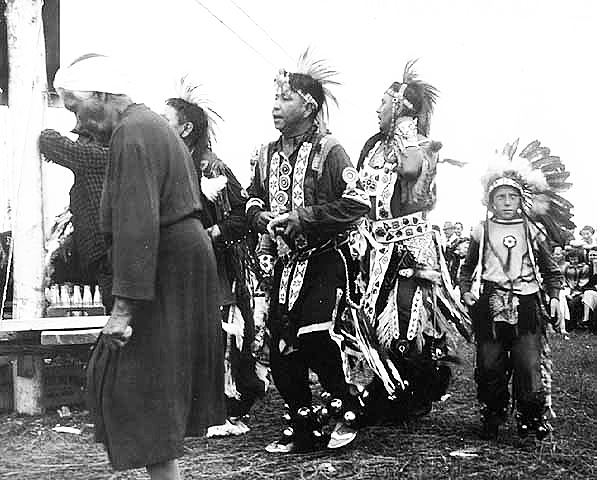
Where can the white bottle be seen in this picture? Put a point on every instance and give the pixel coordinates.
(76, 300)
(55, 295)
(64, 296)
(87, 298)
(97, 298)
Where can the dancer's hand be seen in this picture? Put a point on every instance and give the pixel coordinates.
(555, 312)
(289, 223)
(262, 221)
(469, 299)
(214, 233)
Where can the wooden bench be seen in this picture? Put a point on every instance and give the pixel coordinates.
(36, 339)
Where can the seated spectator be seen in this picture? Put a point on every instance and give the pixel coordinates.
(459, 252)
(586, 235)
(449, 232)
(458, 229)
(589, 296)
(450, 240)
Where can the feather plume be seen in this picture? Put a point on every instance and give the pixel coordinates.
(529, 148)
(451, 161)
(388, 327)
(509, 150)
(548, 163)
(556, 177)
(194, 93)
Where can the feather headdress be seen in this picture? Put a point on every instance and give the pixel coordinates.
(194, 94)
(316, 91)
(416, 95)
(540, 178)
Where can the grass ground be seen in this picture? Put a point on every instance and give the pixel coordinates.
(442, 445)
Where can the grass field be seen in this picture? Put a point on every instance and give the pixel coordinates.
(442, 445)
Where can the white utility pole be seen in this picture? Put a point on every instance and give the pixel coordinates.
(27, 103)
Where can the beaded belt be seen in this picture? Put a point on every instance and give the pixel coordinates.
(392, 230)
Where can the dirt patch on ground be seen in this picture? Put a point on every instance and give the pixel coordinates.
(442, 445)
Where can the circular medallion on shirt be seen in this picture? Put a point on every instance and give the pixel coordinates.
(284, 182)
(350, 175)
(281, 198)
(509, 241)
(285, 168)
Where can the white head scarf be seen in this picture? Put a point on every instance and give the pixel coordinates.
(96, 73)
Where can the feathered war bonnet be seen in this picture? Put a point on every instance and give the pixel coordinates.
(413, 97)
(191, 96)
(540, 178)
(311, 80)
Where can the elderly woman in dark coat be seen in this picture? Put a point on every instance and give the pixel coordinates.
(156, 373)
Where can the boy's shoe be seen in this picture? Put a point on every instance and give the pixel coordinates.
(523, 427)
(532, 423)
(542, 429)
(539, 426)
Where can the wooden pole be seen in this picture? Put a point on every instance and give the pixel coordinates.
(4, 167)
(26, 104)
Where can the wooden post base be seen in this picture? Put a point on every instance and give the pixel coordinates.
(28, 384)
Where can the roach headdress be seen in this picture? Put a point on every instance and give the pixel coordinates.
(413, 97)
(194, 94)
(540, 178)
(312, 81)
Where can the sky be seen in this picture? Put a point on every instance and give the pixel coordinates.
(505, 70)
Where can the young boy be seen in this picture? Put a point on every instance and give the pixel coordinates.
(511, 254)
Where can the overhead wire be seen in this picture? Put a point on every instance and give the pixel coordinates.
(234, 33)
(262, 29)
(252, 47)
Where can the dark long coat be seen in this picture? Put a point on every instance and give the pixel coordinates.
(168, 380)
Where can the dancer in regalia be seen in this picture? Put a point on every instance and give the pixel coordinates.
(397, 342)
(304, 192)
(224, 199)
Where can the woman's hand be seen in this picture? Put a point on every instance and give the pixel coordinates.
(117, 331)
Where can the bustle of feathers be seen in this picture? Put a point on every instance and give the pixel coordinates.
(540, 177)
(194, 93)
(320, 71)
(422, 94)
